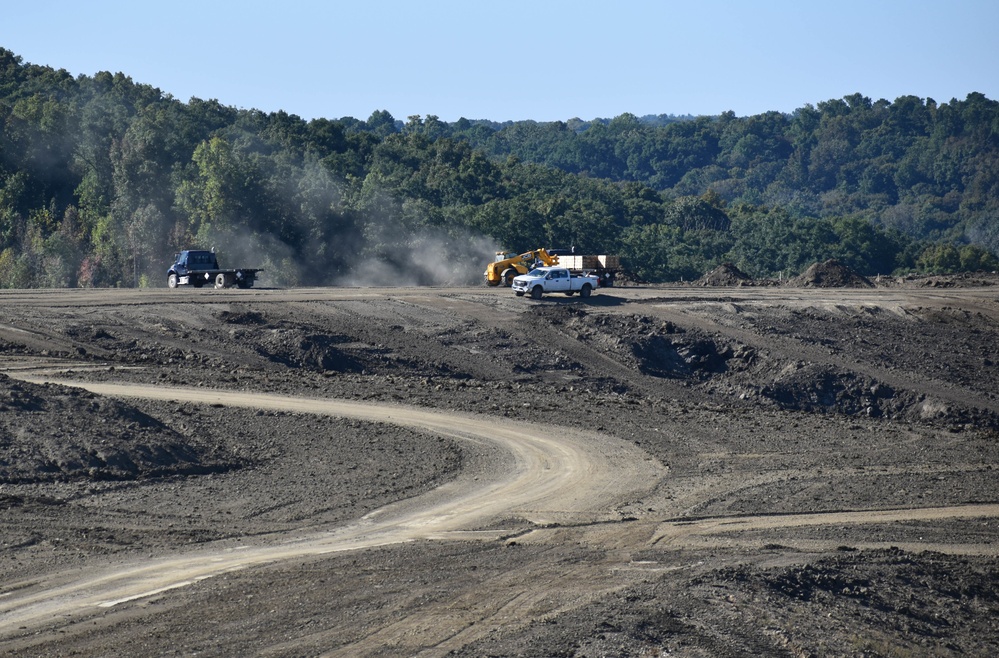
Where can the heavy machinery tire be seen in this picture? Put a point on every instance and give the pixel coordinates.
(508, 276)
(536, 292)
(172, 280)
(585, 292)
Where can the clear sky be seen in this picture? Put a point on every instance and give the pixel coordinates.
(520, 59)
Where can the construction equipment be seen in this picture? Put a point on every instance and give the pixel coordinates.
(507, 266)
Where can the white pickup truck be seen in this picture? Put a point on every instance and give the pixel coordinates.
(553, 279)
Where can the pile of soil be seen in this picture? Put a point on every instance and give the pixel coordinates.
(726, 274)
(52, 433)
(831, 274)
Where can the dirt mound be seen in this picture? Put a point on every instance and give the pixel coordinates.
(821, 388)
(705, 362)
(956, 281)
(51, 433)
(887, 602)
(242, 317)
(726, 274)
(961, 280)
(297, 349)
(687, 355)
(831, 274)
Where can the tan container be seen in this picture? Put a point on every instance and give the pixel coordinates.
(577, 262)
(589, 262)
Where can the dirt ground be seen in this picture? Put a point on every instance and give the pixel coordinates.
(653, 471)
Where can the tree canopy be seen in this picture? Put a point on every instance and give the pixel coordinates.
(102, 179)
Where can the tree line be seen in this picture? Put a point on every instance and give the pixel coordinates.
(102, 179)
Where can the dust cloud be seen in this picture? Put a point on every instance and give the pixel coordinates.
(382, 244)
(432, 258)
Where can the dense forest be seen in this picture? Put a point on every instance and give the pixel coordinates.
(103, 179)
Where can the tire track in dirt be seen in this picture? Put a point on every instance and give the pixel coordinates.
(676, 533)
(694, 504)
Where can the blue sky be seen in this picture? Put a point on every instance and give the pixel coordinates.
(543, 60)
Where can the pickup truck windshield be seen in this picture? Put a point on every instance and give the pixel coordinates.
(536, 274)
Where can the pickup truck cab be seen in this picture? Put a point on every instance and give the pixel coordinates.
(553, 279)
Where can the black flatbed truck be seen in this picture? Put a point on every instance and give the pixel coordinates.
(193, 267)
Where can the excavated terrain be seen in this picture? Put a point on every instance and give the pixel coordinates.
(746, 470)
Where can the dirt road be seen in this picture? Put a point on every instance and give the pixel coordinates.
(655, 471)
(557, 476)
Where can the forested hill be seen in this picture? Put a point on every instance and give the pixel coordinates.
(103, 179)
(926, 169)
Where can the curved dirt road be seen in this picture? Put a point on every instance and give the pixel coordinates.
(558, 477)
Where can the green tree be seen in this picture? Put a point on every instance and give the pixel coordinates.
(214, 198)
(939, 259)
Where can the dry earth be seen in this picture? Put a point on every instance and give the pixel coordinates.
(689, 471)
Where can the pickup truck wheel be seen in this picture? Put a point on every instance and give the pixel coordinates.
(585, 292)
(536, 292)
(172, 281)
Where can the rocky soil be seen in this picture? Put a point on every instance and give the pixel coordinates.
(828, 481)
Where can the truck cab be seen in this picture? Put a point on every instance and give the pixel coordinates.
(187, 266)
(195, 261)
(556, 280)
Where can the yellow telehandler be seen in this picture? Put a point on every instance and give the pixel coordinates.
(506, 266)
